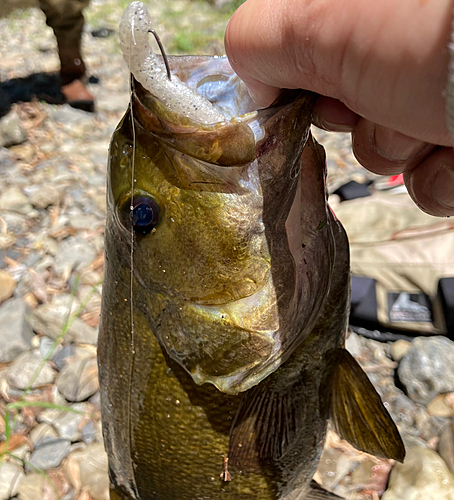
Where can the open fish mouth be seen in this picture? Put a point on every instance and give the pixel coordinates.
(232, 276)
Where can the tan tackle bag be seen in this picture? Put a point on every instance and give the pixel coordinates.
(402, 263)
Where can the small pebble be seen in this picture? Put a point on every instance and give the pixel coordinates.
(422, 476)
(399, 349)
(439, 408)
(7, 285)
(427, 369)
(49, 453)
(10, 478)
(15, 332)
(23, 371)
(79, 379)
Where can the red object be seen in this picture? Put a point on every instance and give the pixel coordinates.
(395, 180)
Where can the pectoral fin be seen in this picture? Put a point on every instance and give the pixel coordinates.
(316, 492)
(358, 414)
(267, 424)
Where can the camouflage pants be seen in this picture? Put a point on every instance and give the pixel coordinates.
(65, 17)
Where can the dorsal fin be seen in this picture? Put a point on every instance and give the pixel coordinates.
(358, 414)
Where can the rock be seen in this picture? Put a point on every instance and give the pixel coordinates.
(70, 116)
(6, 240)
(10, 477)
(15, 332)
(74, 253)
(92, 461)
(50, 319)
(21, 453)
(428, 427)
(67, 423)
(14, 200)
(47, 347)
(333, 466)
(90, 297)
(24, 152)
(401, 408)
(439, 408)
(79, 379)
(371, 474)
(89, 433)
(95, 400)
(7, 285)
(61, 358)
(24, 369)
(80, 352)
(49, 453)
(45, 196)
(446, 446)
(92, 278)
(428, 368)
(85, 221)
(422, 476)
(399, 349)
(118, 103)
(49, 486)
(11, 130)
(43, 430)
(412, 439)
(353, 344)
(31, 486)
(17, 223)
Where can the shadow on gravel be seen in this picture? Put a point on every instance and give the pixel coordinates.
(44, 86)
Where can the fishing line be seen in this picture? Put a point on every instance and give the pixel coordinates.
(131, 215)
(131, 207)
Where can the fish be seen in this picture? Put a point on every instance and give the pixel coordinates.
(225, 300)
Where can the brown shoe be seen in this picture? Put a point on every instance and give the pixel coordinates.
(78, 96)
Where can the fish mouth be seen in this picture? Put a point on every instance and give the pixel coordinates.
(200, 90)
(226, 143)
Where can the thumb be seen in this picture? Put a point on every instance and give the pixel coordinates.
(386, 61)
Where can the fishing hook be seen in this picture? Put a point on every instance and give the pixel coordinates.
(163, 52)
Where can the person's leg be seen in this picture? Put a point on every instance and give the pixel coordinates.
(66, 18)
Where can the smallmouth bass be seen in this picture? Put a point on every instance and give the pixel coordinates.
(226, 293)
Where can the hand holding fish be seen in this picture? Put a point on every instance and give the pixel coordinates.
(381, 69)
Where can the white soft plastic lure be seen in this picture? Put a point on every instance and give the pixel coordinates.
(149, 70)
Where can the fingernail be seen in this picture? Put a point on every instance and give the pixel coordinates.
(330, 127)
(395, 146)
(443, 187)
(256, 97)
(263, 95)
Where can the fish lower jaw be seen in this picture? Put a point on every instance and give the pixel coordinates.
(232, 384)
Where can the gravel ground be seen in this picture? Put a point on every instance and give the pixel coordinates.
(52, 211)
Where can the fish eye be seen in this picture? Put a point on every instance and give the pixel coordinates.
(144, 215)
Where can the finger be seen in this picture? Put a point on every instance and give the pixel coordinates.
(354, 51)
(385, 151)
(333, 115)
(263, 95)
(431, 183)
